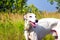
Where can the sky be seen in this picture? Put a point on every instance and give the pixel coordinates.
(43, 5)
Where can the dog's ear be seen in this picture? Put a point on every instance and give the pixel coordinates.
(25, 17)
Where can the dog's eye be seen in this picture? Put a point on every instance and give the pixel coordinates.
(30, 16)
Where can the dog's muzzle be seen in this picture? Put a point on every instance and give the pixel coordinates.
(33, 24)
(36, 21)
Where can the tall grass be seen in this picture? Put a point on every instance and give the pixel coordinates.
(12, 26)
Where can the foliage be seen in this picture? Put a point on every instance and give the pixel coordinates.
(16, 6)
(6, 4)
(19, 5)
(30, 8)
(33, 9)
(58, 4)
(11, 25)
(12, 5)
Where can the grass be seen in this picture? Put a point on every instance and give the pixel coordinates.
(12, 28)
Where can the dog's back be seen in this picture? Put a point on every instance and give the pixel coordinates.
(53, 23)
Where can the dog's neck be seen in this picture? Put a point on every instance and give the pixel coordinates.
(26, 23)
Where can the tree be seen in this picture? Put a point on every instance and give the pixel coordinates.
(12, 5)
(33, 9)
(19, 5)
(6, 4)
(30, 8)
(58, 4)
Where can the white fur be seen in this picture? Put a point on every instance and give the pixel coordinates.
(52, 21)
(43, 27)
(26, 27)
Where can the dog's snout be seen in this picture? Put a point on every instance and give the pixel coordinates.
(36, 21)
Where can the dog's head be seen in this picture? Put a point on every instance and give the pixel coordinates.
(30, 18)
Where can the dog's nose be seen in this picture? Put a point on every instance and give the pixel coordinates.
(36, 21)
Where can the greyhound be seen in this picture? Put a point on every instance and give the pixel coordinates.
(28, 26)
(37, 29)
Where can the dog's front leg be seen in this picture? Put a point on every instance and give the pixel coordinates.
(33, 36)
(26, 34)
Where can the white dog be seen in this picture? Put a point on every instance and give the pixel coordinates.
(29, 23)
(44, 26)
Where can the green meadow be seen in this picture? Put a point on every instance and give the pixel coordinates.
(12, 25)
